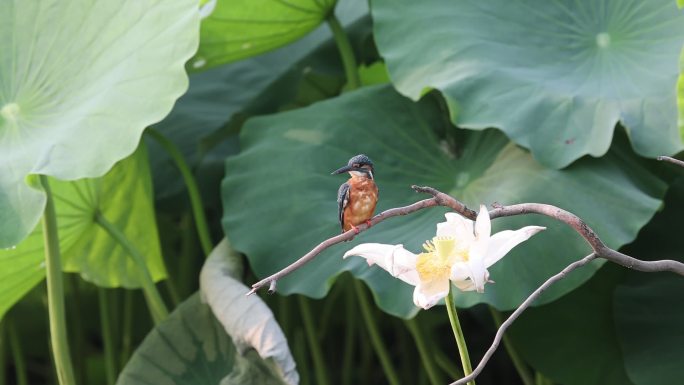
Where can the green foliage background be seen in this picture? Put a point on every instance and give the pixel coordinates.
(563, 102)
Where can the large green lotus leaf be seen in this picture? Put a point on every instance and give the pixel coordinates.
(573, 340)
(279, 196)
(220, 99)
(79, 82)
(124, 196)
(237, 29)
(555, 76)
(192, 348)
(649, 318)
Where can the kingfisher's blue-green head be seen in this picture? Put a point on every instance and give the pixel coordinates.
(359, 165)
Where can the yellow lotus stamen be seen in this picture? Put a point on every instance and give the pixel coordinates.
(436, 262)
(444, 246)
(431, 267)
(451, 248)
(429, 246)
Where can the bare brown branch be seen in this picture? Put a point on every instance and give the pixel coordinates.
(671, 160)
(441, 199)
(447, 200)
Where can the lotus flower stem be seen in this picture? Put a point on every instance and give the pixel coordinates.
(3, 354)
(201, 222)
(374, 333)
(351, 325)
(107, 337)
(314, 347)
(458, 334)
(346, 52)
(154, 299)
(74, 307)
(127, 326)
(55, 289)
(17, 354)
(539, 379)
(299, 351)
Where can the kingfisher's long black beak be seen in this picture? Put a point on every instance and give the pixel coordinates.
(341, 170)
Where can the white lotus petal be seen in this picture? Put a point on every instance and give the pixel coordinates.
(466, 285)
(502, 242)
(478, 273)
(479, 250)
(456, 226)
(427, 294)
(396, 260)
(483, 226)
(459, 272)
(247, 319)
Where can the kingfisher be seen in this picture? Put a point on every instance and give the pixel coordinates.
(357, 197)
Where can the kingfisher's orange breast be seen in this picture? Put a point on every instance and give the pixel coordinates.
(363, 196)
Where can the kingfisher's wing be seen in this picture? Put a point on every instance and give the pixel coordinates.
(342, 200)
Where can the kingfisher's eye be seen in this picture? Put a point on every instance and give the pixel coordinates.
(355, 165)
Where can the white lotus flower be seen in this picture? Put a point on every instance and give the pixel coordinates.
(458, 253)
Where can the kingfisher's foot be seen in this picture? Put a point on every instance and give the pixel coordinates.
(368, 223)
(356, 229)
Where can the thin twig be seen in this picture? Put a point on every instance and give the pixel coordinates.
(671, 160)
(533, 297)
